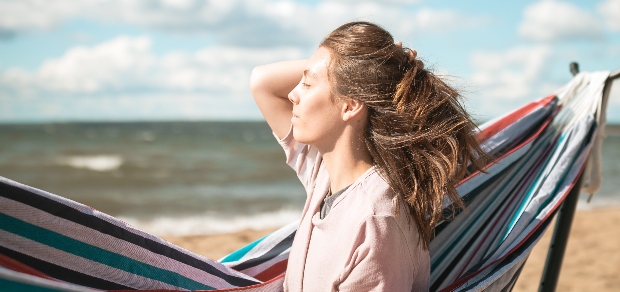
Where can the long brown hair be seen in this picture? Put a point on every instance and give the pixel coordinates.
(421, 139)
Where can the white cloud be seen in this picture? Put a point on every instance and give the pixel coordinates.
(507, 79)
(124, 79)
(25, 15)
(127, 64)
(317, 21)
(610, 9)
(236, 22)
(509, 74)
(559, 21)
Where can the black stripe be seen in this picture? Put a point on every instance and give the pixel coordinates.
(62, 273)
(272, 253)
(514, 279)
(456, 259)
(512, 256)
(36, 198)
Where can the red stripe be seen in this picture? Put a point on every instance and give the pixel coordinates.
(514, 116)
(512, 150)
(506, 207)
(273, 271)
(17, 266)
(460, 282)
(528, 141)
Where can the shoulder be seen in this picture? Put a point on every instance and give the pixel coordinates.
(377, 195)
(382, 206)
(372, 200)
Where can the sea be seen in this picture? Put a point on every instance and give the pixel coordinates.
(185, 178)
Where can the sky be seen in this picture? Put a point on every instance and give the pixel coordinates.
(147, 60)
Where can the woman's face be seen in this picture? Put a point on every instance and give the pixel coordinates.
(317, 118)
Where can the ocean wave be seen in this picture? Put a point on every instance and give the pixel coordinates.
(213, 224)
(93, 162)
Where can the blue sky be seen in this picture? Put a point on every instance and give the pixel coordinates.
(115, 60)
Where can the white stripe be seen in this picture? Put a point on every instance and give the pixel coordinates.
(110, 243)
(268, 243)
(128, 228)
(516, 129)
(78, 264)
(495, 168)
(253, 271)
(564, 188)
(554, 177)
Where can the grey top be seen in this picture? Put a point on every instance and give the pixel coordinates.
(326, 206)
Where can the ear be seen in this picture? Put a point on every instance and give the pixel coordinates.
(352, 108)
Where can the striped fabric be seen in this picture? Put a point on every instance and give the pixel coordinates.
(50, 243)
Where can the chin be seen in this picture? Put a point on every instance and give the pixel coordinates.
(299, 137)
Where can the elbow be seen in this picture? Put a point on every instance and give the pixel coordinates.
(257, 81)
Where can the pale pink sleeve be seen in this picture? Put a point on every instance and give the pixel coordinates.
(382, 260)
(304, 159)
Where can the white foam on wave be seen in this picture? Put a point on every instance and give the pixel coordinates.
(100, 162)
(213, 224)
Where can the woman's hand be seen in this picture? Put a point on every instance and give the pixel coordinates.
(270, 85)
(412, 53)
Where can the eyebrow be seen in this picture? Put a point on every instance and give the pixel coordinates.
(308, 73)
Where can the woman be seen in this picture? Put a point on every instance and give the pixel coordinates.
(376, 140)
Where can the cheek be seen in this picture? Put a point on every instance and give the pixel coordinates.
(319, 127)
(319, 117)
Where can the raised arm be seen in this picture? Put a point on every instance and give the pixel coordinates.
(270, 85)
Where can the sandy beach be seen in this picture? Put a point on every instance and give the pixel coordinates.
(592, 258)
(591, 262)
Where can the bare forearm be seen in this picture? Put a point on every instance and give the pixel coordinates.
(277, 78)
(270, 85)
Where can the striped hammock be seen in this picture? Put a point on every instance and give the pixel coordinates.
(50, 243)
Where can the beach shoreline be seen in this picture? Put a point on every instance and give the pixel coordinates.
(591, 261)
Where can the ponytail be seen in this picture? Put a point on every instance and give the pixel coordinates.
(421, 139)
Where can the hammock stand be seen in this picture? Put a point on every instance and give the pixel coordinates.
(564, 220)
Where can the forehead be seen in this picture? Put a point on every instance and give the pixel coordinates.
(317, 64)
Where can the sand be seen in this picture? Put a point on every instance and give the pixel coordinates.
(219, 245)
(592, 257)
(591, 262)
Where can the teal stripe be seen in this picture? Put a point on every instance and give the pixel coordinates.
(455, 243)
(10, 285)
(238, 254)
(96, 254)
(553, 159)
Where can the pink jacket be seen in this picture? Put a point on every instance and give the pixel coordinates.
(362, 245)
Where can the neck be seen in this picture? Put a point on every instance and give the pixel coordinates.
(346, 161)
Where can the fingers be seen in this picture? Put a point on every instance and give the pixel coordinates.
(412, 54)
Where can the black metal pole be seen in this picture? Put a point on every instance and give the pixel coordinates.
(561, 231)
(555, 255)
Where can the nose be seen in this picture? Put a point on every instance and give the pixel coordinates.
(293, 97)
